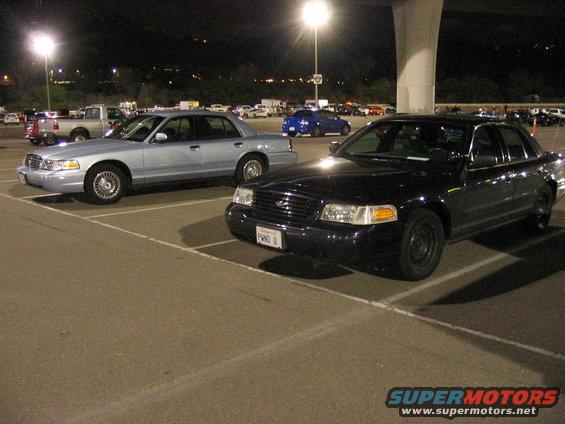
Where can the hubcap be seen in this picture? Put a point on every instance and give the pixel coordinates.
(421, 243)
(80, 137)
(541, 211)
(106, 185)
(252, 169)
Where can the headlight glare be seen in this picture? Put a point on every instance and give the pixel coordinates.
(243, 196)
(359, 215)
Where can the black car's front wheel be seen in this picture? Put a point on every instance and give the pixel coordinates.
(421, 245)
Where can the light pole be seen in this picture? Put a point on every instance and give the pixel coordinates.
(44, 45)
(315, 13)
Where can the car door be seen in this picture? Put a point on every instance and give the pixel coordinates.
(522, 169)
(221, 143)
(179, 157)
(488, 192)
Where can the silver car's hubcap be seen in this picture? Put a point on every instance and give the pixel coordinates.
(106, 184)
(252, 169)
(80, 137)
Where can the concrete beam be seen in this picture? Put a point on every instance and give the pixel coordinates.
(416, 26)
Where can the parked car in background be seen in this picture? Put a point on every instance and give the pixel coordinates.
(376, 110)
(156, 148)
(11, 119)
(353, 110)
(256, 113)
(241, 110)
(543, 119)
(560, 113)
(316, 122)
(400, 188)
(97, 118)
(217, 108)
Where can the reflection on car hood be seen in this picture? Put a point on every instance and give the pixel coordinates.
(357, 180)
(83, 148)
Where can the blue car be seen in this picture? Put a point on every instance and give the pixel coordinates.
(315, 122)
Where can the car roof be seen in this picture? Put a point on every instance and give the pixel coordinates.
(171, 113)
(460, 119)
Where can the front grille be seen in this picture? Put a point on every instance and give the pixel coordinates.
(32, 161)
(286, 205)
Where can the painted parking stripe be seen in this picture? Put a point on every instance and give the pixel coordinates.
(470, 268)
(40, 195)
(8, 181)
(381, 305)
(195, 202)
(218, 243)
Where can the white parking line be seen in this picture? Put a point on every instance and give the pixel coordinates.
(470, 268)
(8, 169)
(218, 243)
(381, 305)
(8, 181)
(40, 195)
(195, 202)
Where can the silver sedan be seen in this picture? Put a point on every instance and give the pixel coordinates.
(156, 148)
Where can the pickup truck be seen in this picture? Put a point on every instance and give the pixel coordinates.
(97, 119)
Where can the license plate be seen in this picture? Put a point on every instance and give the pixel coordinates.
(22, 178)
(291, 129)
(268, 237)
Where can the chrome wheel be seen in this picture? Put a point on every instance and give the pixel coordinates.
(79, 137)
(106, 185)
(252, 169)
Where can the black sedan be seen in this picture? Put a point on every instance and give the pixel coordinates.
(543, 119)
(402, 187)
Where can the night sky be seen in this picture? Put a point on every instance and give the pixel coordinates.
(360, 38)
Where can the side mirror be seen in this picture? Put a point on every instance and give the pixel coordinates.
(333, 147)
(160, 138)
(482, 161)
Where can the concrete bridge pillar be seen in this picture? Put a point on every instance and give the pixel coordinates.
(416, 27)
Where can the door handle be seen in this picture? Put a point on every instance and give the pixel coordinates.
(195, 147)
(238, 144)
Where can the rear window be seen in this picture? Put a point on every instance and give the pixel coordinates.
(301, 113)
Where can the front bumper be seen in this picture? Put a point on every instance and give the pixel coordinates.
(340, 242)
(54, 181)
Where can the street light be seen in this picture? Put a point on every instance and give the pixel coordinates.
(315, 14)
(44, 46)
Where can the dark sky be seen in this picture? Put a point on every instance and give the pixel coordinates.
(268, 33)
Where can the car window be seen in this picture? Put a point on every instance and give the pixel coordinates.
(216, 127)
(114, 113)
(178, 129)
(302, 113)
(412, 141)
(137, 128)
(92, 113)
(485, 143)
(514, 144)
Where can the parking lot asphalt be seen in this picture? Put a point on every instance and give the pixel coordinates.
(149, 311)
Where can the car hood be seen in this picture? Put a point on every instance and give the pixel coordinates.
(354, 180)
(83, 148)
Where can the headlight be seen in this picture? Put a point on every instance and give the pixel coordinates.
(359, 215)
(243, 196)
(59, 165)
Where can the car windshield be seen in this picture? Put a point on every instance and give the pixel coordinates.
(420, 141)
(137, 128)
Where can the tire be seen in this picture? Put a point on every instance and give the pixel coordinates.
(78, 136)
(421, 245)
(254, 116)
(345, 130)
(538, 220)
(316, 132)
(49, 141)
(249, 167)
(291, 134)
(35, 141)
(104, 184)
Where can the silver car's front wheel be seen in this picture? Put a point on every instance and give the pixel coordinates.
(104, 184)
